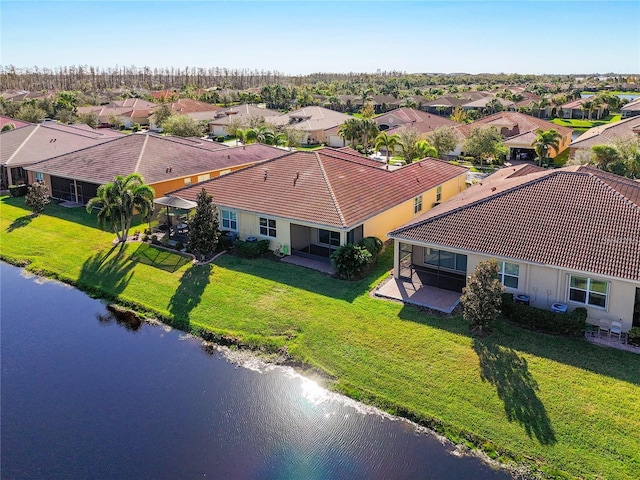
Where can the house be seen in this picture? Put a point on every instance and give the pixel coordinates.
(130, 111)
(568, 236)
(35, 142)
(519, 132)
(484, 103)
(423, 122)
(247, 114)
(309, 203)
(631, 109)
(15, 122)
(606, 134)
(445, 104)
(579, 109)
(166, 163)
(315, 122)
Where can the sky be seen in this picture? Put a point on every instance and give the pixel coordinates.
(301, 37)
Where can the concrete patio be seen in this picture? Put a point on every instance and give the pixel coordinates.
(320, 265)
(413, 292)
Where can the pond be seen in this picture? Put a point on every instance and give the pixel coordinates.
(85, 397)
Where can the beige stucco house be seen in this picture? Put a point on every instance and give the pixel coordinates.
(569, 236)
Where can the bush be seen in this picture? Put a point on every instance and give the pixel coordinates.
(18, 190)
(179, 246)
(507, 304)
(225, 242)
(220, 138)
(373, 245)
(634, 336)
(533, 318)
(350, 261)
(251, 249)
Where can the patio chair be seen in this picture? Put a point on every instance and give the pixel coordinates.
(604, 327)
(616, 329)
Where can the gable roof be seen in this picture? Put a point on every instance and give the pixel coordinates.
(421, 121)
(311, 118)
(327, 187)
(244, 112)
(16, 123)
(608, 133)
(505, 217)
(188, 105)
(35, 142)
(524, 123)
(633, 106)
(151, 156)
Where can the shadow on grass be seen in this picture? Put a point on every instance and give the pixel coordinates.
(19, 223)
(159, 258)
(109, 272)
(188, 294)
(576, 352)
(516, 387)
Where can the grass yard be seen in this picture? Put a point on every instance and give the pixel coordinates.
(585, 124)
(562, 406)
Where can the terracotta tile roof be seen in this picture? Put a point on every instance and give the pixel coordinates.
(483, 102)
(32, 143)
(188, 105)
(524, 124)
(16, 123)
(151, 155)
(577, 217)
(632, 106)
(607, 133)
(327, 187)
(311, 119)
(421, 121)
(245, 112)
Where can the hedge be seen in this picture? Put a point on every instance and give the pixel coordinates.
(538, 319)
(251, 249)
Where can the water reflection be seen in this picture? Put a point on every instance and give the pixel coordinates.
(83, 398)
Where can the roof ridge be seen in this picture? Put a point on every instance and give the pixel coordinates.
(596, 173)
(144, 146)
(22, 144)
(331, 192)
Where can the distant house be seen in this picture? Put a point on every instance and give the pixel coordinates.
(576, 109)
(445, 104)
(315, 122)
(482, 104)
(32, 143)
(519, 132)
(8, 120)
(631, 109)
(130, 111)
(606, 134)
(310, 203)
(567, 236)
(423, 122)
(246, 114)
(166, 163)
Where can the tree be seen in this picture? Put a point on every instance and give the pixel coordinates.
(605, 156)
(90, 119)
(234, 124)
(369, 129)
(367, 110)
(484, 143)
(31, 113)
(8, 126)
(161, 114)
(117, 200)
(37, 197)
(182, 126)
(545, 140)
(203, 228)
(409, 136)
(444, 140)
(293, 135)
(388, 142)
(459, 114)
(350, 130)
(425, 149)
(246, 135)
(482, 297)
(115, 121)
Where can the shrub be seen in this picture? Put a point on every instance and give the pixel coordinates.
(251, 249)
(507, 304)
(17, 190)
(533, 318)
(179, 246)
(136, 127)
(634, 336)
(350, 260)
(220, 138)
(225, 242)
(373, 245)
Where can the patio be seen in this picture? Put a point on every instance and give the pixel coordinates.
(413, 292)
(321, 265)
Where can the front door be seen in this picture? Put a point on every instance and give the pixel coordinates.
(406, 260)
(636, 309)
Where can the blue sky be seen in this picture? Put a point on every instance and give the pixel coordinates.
(298, 37)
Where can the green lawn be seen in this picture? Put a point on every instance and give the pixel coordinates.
(585, 124)
(562, 406)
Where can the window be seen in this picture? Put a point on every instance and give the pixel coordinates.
(229, 220)
(39, 177)
(202, 178)
(446, 260)
(187, 181)
(327, 237)
(417, 204)
(509, 273)
(588, 291)
(438, 194)
(267, 227)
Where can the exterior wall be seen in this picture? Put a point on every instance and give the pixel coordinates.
(388, 220)
(335, 141)
(162, 188)
(249, 226)
(218, 130)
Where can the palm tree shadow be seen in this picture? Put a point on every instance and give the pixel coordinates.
(19, 223)
(188, 294)
(108, 272)
(516, 387)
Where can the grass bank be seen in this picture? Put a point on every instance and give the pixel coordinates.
(564, 407)
(585, 124)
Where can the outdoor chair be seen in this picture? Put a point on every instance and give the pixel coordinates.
(616, 329)
(604, 327)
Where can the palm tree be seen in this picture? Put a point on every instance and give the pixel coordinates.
(388, 142)
(246, 135)
(368, 129)
(425, 149)
(118, 199)
(545, 140)
(349, 130)
(587, 106)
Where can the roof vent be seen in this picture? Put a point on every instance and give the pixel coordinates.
(493, 189)
(265, 174)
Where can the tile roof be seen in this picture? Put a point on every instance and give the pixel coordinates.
(421, 121)
(524, 124)
(483, 102)
(311, 119)
(328, 187)
(576, 217)
(632, 106)
(607, 133)
(188, 105)
(244, 112)
(32, 143)
(151, 155)
(16, 123)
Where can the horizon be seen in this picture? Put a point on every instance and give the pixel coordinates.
(307, 37)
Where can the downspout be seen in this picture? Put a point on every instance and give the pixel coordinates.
(75, 189)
